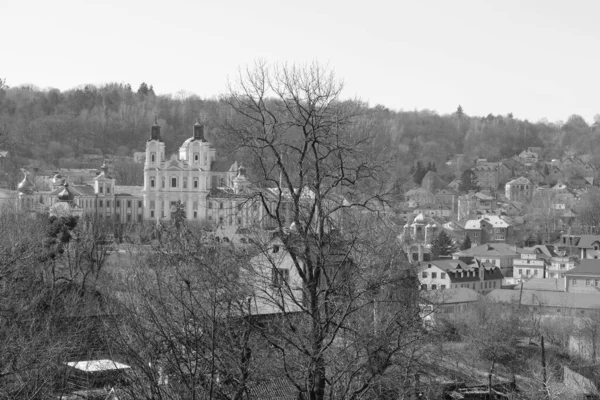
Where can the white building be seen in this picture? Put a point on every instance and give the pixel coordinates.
(187, 177)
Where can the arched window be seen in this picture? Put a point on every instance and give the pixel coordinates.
(152, 182)
(196, 157)
(195, 183)
(152, 157)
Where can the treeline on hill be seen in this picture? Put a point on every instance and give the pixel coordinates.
(51, 129)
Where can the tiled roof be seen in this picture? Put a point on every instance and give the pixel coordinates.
(519, 181)
(586, 241)
(589, 267)
(538, 298)
(490, 250)
(545, 284)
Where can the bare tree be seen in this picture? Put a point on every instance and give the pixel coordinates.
(326, 187)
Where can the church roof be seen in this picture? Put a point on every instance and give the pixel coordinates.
(221, 165)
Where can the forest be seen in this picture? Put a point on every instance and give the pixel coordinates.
(50, 129)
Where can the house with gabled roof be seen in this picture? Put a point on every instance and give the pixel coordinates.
(585, 278)
(501, 255)
(589, 246)
(479, 276)
(489, 228)
(519, 189)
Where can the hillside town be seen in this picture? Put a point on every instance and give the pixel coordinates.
(505, 233)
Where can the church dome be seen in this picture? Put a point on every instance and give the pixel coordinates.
(26, 186)
(58, 179)
(419, 220)
(65, 194)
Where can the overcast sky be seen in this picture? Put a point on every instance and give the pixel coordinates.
(534, 58)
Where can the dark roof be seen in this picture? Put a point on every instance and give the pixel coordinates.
(490, 250)
(76, 190)
(586, 241)
(221, 165)
(586, 267)
(453, 267)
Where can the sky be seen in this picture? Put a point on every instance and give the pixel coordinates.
(533, 58)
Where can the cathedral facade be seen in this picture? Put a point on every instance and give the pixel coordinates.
(186, 177)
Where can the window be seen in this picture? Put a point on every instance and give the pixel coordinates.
(220, 206)
(221, 220)
(434, 275)
(139, 204)
(118, 203)
(558, 310)
(195, 183)
(100, 203)
(494, 283)
(443, 287)
(99, 189)
(195, 214)
(108, 190)
(423, 287)
(152, 184)
(424, 274)
(210, 205)
(162, 182)
(443, 275)
(596, 282)
(151, 213)
(276, 249)
(574, 282)
(520, 272)
(527, 271)
(128, 203)
(562, 266)
(107, 203)
(433, 287)
(173, 182)
(185, 183)
(196, 157)
(280, 276)
(588, 282)
(152, 157)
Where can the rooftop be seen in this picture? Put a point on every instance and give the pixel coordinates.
(490, 249)
(538, 298)
(589, 267)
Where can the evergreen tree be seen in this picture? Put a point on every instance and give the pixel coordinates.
(466, 243)
(419, 173)
(442, 245)
(459, 111)
(468, 181)
(143, 89)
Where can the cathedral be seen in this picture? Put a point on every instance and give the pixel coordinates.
(193, 180)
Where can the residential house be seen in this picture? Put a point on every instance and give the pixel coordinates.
(589, 246)
(500, 255)
(559, 265)
(473, 204)
(530, 264)
(479, 276)
(585, 278)
(449, 302)
(519, 189)
(489, 228)
(447, 197)
(529, 158)
(487, 175)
